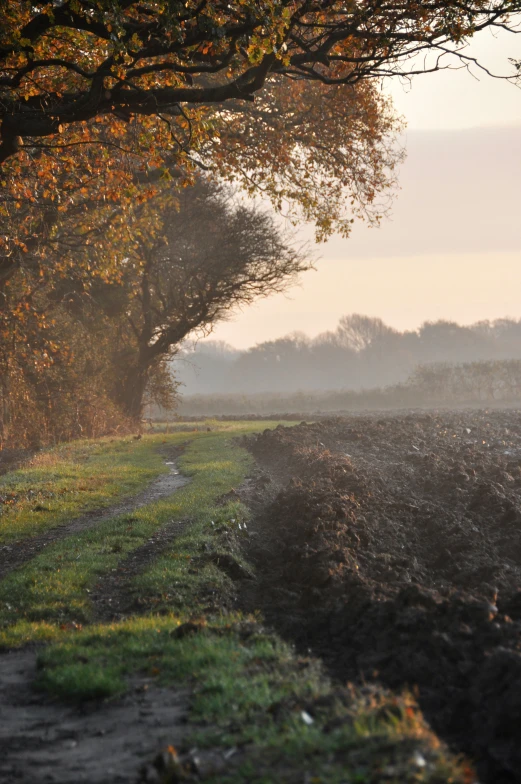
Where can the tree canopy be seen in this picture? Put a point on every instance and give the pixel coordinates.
(100, 101)
(256, 89)
(79, 60)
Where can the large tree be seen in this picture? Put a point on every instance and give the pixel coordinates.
(209, 254)
(78, 73)
(98, 101)
(88, 342)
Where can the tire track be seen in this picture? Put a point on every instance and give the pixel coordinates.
(17, 554)
(112, 598)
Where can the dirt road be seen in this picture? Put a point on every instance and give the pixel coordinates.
(18, 553)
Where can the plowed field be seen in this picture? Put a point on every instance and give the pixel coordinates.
(391, 546)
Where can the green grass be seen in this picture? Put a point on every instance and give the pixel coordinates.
(248, 689)
(52, 590)
(62, 483)
(180, 577)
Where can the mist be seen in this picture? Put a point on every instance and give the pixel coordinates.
(361, 353)
(450, 247)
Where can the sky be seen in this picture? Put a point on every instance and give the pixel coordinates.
(451, 248)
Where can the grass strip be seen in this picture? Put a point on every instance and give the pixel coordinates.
(184, 577)
(51, 592)
(253, 695)
(62, 483)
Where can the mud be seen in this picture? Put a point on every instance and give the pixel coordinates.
(18, 553)
(391, 547)
(42, 740)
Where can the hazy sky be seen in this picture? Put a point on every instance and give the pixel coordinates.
(452, 248)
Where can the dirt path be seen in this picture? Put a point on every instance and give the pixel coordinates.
(17, 553)
(42, 740)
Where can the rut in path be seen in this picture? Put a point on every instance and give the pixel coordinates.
(18, 553)
(112, 597)
(43, 740)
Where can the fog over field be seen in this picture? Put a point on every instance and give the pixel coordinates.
(361, 353)
(450, 249)
(439, 282)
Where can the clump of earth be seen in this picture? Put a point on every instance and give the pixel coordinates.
(391, 546)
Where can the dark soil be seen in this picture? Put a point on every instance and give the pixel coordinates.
(391, 547)
(17, 553)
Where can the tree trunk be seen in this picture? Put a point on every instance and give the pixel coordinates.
(131, 392)
(4, 406)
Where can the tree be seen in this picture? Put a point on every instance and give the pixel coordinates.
(132, 90)
(448, 341)
(57, 377)
(74, 61)
(208, 255)
(275, 365)
(359, 332)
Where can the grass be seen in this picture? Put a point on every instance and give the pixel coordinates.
(249, 690)
(252, 693)
(180, 577)
(62, 483)
(52, 590)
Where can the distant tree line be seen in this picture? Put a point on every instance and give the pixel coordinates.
(486, 383)
(361, 353)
